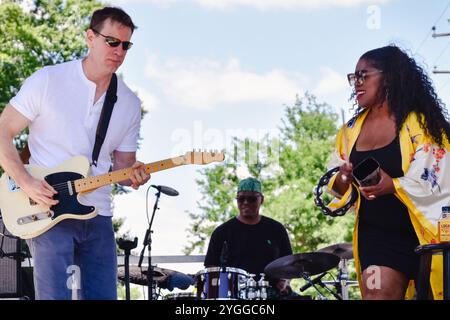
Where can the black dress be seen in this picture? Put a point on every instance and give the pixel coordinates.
(386, 236)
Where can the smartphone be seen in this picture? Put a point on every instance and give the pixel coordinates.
(367, 172)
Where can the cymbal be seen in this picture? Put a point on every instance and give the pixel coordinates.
(342, 250)
(297, 265)
(140, 277)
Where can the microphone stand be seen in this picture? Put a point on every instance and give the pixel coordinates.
(338, 297)
(148, 242)
(306, 276)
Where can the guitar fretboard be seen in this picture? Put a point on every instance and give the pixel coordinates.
(95, 182)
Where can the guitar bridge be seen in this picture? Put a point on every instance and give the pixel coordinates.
(35, 217)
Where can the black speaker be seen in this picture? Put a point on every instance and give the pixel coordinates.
(10, 264)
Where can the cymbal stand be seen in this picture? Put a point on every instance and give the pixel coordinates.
(126, 245)
(342, 279)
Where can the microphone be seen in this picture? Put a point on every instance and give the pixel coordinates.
(224, 255)
(312, 282)
(166, 190)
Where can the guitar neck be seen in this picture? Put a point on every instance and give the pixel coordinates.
(95, 182)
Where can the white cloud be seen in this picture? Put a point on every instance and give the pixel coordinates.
(205, 84)
(283, 4)
(331, 82)
(264, 4)
(150, 101)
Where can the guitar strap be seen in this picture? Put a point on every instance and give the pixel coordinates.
(105, 116)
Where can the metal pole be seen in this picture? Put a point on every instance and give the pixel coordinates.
(343, 277)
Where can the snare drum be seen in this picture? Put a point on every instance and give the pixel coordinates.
(181, 296)
(221, 283)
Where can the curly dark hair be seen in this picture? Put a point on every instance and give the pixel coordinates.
(408, 88)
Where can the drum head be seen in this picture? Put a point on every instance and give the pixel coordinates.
(180, 296)
(222, 269)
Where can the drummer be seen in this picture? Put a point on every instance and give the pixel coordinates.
(250, 241)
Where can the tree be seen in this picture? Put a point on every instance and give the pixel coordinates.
(43, 33)
(289, 169)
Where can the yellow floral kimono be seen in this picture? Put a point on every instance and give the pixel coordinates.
(424, 189)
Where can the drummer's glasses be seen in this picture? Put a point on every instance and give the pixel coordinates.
(249, 199)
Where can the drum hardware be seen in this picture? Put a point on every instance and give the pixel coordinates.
(342, 279)
(305, 265)
(317, 280)
(251, 287)
(312, 283)
(263, 286)
(345, 252)
(127, 245)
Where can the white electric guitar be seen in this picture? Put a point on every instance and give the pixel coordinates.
(26, 219)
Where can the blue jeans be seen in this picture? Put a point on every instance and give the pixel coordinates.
(81, 250)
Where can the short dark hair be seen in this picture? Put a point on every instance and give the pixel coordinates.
(113, 13)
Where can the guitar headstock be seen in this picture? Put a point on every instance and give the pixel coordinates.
(203, 157)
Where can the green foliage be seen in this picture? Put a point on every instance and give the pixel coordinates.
(135, 292)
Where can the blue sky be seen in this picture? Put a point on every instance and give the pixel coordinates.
(208, 69)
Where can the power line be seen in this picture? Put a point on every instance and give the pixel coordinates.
(448, 4)
(445, 84)
(432, 29)
(442, 52)
(423, 41)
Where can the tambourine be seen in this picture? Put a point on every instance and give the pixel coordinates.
(324, 180)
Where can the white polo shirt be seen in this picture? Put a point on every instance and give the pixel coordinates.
(59, 101)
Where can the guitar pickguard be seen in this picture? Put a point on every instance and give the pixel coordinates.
(62, 182)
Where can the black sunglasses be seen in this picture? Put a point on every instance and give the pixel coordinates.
(249, 199)
(114, 42)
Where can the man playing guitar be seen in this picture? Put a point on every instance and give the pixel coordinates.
(61, 106)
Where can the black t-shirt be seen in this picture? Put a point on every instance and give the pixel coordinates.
(248, 247)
